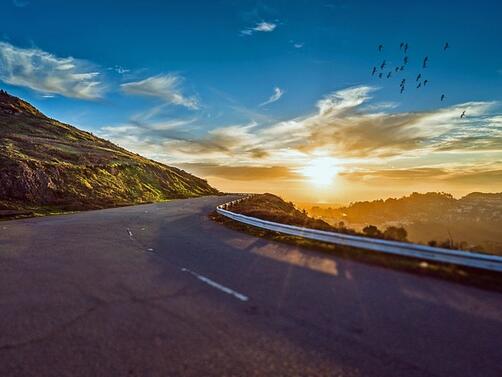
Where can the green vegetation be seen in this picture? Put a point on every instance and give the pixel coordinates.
(47, 166)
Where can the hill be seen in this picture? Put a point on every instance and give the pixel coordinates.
(272, 208)
(473, 221)
(46, 166)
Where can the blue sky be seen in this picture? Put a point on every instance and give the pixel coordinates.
(210, 71)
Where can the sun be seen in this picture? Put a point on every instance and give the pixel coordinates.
(320, 171)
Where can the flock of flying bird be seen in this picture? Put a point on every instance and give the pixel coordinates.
(420, 80)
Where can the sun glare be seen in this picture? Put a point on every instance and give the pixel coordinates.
(320, 171)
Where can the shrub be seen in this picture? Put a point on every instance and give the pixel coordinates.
(395, 233)
(372, 231)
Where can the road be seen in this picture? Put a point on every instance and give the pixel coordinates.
(161, 290)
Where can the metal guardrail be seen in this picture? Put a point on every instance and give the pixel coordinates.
(457, 257)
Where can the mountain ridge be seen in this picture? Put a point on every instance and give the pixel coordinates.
(47, 165)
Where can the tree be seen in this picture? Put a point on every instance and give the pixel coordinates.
(395, 233)
(372, 231)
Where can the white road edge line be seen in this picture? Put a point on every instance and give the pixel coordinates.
(216, 285)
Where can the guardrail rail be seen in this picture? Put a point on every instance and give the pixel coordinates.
(457, 257)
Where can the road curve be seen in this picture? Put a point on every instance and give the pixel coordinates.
(160, 290)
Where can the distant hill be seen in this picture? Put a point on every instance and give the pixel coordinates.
(46, 166)
(475, 219)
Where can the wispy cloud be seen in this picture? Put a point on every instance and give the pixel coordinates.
(263, 27)
(297, 44)
(278, 93)
(119, 69)
(48, 74)
(345, 127)
(165, 86)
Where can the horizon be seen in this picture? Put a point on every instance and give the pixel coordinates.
(275, 97)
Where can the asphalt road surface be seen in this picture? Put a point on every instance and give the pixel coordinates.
(161, 290)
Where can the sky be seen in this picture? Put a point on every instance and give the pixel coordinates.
(275, 96)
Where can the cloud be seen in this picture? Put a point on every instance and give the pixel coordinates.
(261, 27)
(265, 27)
(366, 140)
(463, 174)
(49, 74)
(119, 69)
(240, 173)
(296, 44)
(278, 93)
(165, 86)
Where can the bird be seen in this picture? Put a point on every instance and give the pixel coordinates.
(402, 89)
(401, 45)
(380, 75)
(419, 85)
(389, 74)
(425, 82)
(442, 97)
(419, 77)
(426, 59)
(382, 66)
(405, 60)
(446, 46)
(462, 115)
(373, 72)
(402, 82)
(401, 68)
(397, 69)
(405, 47)
(380, 48)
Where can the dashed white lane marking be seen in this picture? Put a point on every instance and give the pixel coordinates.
(129, 232)
(216, 285)
(150, 250)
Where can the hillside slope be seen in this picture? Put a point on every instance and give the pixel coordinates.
(474, 220)
(46, 165)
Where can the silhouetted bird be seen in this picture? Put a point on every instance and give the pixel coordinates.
(402, 82)
(380, 48)
(389, 74)
(419, 85)
(405, 60)
(382, 66)
(373, 72)
(419, 77)
(401, 68)
(402, 89)
(463, 114)
(380, 75)
(446, 46)
(442, 97)
(425, 82)
(426, 59)
(405, 48)
(397, 69)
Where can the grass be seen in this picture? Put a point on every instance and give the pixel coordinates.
(47, 166)
(272, 208)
